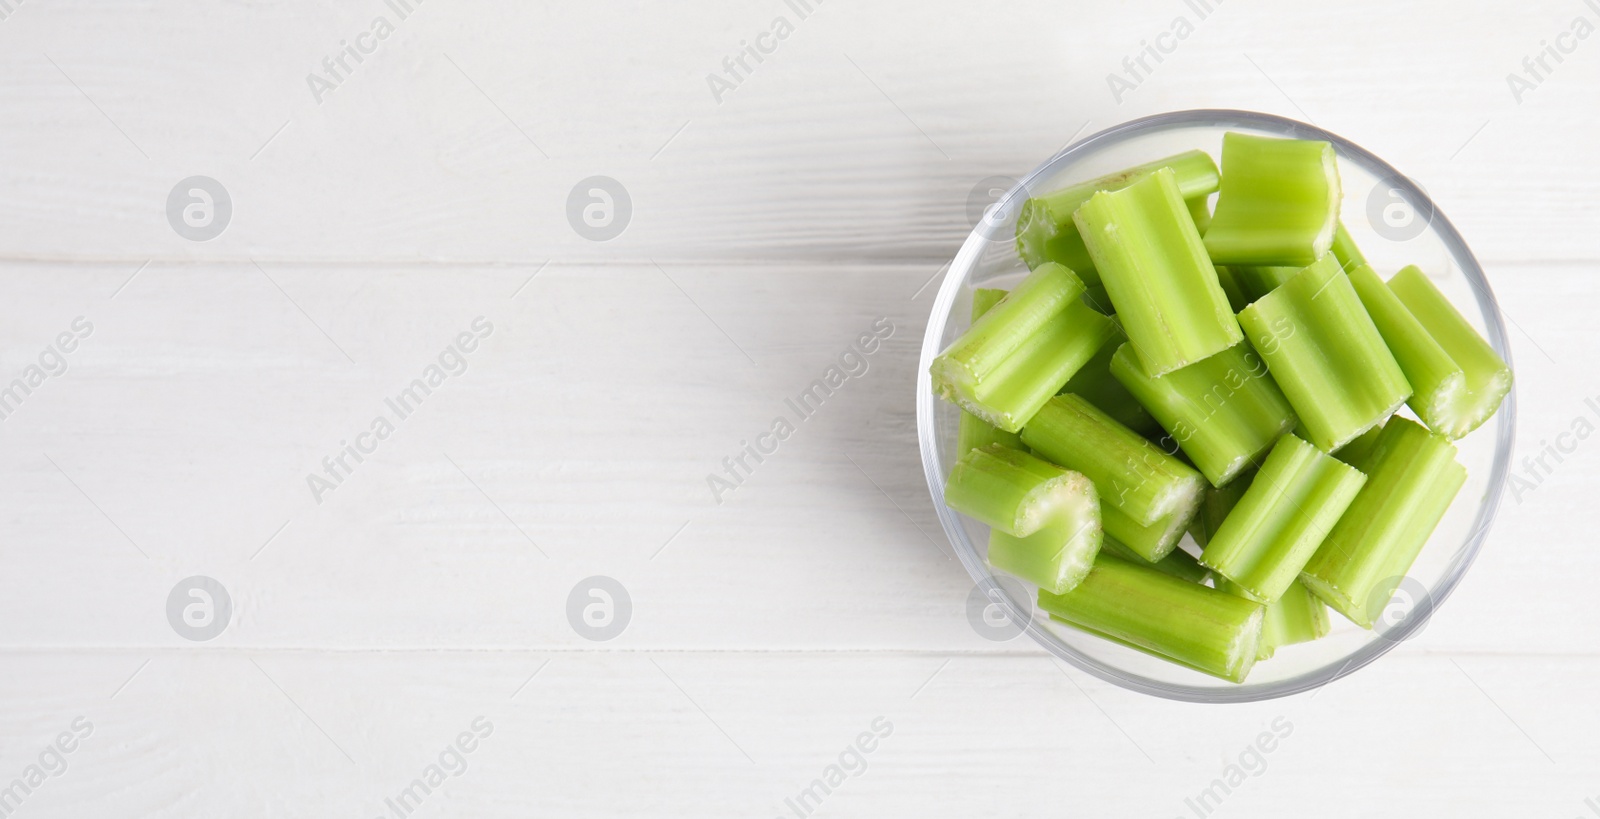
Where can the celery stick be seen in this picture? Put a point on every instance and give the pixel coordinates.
(1215, 506)
(1198, 626)
(1153, 542)
(1488, 379)
(1178, 564)
(1355, 453)
(973, 432)
(1022, 350)
(1045, 230)
(1199, 211)
(1095, 383)
(1414, 477)
(1133, 475)
(1438, 385)
(1155, 269)
(1238, 298)
(1044, 521)
(1345, 250)
(1224, 411)
(1326, 354)
(1255, 282)
(1297, 617)
(1295, 498)
(1278, 203)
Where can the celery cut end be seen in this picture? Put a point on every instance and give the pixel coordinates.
(1062, 548)
(1278, 203)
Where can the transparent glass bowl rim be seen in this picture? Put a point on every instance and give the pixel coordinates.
(967, 259)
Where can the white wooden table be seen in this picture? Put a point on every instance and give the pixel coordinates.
(776, 213)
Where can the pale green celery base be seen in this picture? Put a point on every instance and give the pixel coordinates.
(1060, 553)
(1153, 543)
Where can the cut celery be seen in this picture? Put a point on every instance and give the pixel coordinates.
(1198, 626)
(1215, 506)
(1238, 299)
(1224, 411)
(1044, 520)
(1255, 282)
(1133, 475)
(1010, 361)
(1178, 564)
(1045, 230)
(1278, 203)
(973, 432)
(1488, 379)
(1413, 478)
(1326, 355)
(1297, 617)
(1345, 250)
(1156, 272)
(1292, 503)
(1095, 383)
(1438, 385)
(1355, 453)
(1153, 542)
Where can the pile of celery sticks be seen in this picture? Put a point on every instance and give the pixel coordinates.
(1231, 374)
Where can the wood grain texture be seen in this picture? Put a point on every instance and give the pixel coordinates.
(771, 625)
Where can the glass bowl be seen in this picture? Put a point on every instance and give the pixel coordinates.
(1395, 224)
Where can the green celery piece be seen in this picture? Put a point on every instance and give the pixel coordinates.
(1022, 350)
(1355, 453)
(1046, 233)
(1044, 520)
(1199, 212)
(1216, 505)
(1345, 250)
(1224, 411)
(1153, 542)
(1438, 384)
(1095, 383)
(1297, 617)
(1155, 269)
(973, 432)
(1293, 501)
(1278, 203)
(1134, 476)
(1238, 299)
(1488, 378)
(1178, 564)
(1198, 626)
(1414, 477)
(1255, 282)
(1326, 355)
